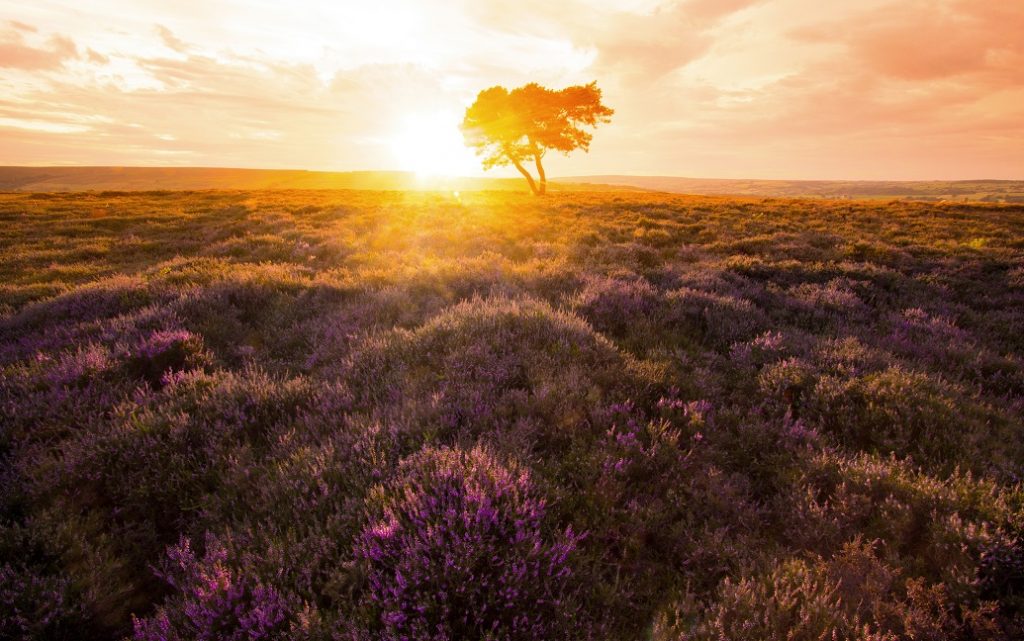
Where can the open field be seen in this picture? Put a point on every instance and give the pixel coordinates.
(387, 415)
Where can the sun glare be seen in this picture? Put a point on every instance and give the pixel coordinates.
(431, 145)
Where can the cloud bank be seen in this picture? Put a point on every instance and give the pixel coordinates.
(871, 89)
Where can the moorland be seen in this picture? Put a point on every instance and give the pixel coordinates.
(394, 415)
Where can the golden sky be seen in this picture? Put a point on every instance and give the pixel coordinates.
(827, 89)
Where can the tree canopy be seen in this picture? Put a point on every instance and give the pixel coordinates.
(510, 127)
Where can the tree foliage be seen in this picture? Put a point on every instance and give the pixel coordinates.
(512, 127)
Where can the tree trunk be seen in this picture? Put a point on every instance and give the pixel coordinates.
(543, 189)
(528, 177)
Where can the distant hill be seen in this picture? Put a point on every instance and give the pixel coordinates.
(196, 178)
(990, 190)
(51, 179)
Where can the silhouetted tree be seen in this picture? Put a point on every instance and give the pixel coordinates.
(510, 127)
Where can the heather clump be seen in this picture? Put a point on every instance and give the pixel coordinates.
(939, 342)
(90, 302)
(457, 547)
(34, 605)
(911, 414)
(165, 353)
(248, 312)
(77, 380)
(659, 507)
(787, 383)
(713, 320)
(619, 306)
(853, 595)
(213, 601)
(303, 504)
(760, 350)
(1001, 576)
(142, 479)
(164, 451)
(939, 529)
(485, 364)
(815, 304)
(259, 248)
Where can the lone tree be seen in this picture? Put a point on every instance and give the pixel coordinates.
(510, 127)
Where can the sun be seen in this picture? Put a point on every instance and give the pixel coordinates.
(430, 144)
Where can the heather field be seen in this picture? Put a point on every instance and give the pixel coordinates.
(344, 415)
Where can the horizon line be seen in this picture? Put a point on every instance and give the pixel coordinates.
(505, 177)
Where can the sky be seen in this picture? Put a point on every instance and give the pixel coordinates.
(792, 89)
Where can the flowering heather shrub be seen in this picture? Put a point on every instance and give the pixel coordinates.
(1001, 576)
(38, 415)
(854, 595)
(848, 357)
(213, 602)
(759, 351)
(164, 451)
(631, 256)
(456, 549)
(165, 353)
(793, 602)
(302, 505)
(661, 508)
(786, 383)
(939, 342)
(939, 529)
(713, 319)
(843, 294)
(244, 310)
(618, 306)
(90, 302)
(486, 364)
(34, 606)
(144, 477)
(708, 276)
(260, 248)
(915, 324)
(833, 302)
(908, 413)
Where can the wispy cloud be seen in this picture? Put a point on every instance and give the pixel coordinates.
(18, 52)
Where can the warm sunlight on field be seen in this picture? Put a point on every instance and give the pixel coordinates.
(430, 144)
(311, 416)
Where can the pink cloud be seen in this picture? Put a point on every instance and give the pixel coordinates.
(711, 10)
(16, 54)
(170, 40)
(929, 40)
(96, 57)
(642, 45)
(21, 26)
